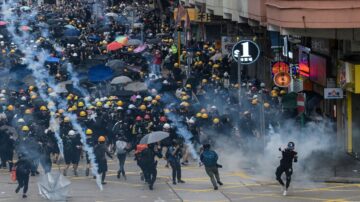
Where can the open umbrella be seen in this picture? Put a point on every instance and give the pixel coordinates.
(113, 46)
(25, 8)
(115, 64)
(112, 15)
(122, 39)
(94, 38)
(100, 73)
(70, 26)
(153, 137)
(71, 32)
(136, 87)
(133, 42)
(52, 60)
(121, 80)
(2, 23)
(25, 28)
(140, 48)
(54, 186)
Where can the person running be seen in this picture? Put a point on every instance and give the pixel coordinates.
(72, 151)
(288, 156)
(100, 150)
(121, 151)
(23, 168)
(209, 159)
(173, 155)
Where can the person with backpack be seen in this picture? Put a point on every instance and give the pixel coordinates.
(121, 151)
(174, 155)
(209, 159)
(288, 156)
(23, 168)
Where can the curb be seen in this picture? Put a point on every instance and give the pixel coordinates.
(346, 180)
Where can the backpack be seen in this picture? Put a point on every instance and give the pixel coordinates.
(121, 147)
(209, 158)
(145, 157)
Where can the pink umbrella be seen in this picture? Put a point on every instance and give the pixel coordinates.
(2, 23)
(25, 28)
(140, 48)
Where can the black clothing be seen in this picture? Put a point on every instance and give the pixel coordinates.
(288, 156)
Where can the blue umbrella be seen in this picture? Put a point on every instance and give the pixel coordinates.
(52, 60)
(70, 27)
(94, 38)
(71, 32)
(100, 73)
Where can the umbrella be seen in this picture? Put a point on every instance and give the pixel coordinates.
(115, 64)
(71, 32)
(54, 186)
(25, 8)
(153, 137)
(112, 15)
(2, 23)
(121, 80)
(140, 48)
(100, 73)
(94, 38)
(136, 87)
(113, 46)
(70, 27)
(122, 39)
(25, 28)
(52, 60)
(215, 57)
(134, 42)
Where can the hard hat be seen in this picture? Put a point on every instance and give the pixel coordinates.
(291, 145)
(262, 85)
(176, 64)
(82, 113)
(163, 119)
(66, 119)
(88, 131)
(188, 86)
(147, 117)
(204, 81)
(282, 92)
(43, 108)
(166, 126)
(28, 111)
(198, 115)
(101, 139)
(34, 96)
(50, 90)
(71, 133)
(61, 111)
(69, 97)
(74, 108)
(99, 104)
(184, 104)
(131, 106)
(10, 107)
(25, 128)
(138, 118)
(23, 98)
(216, 66)
(254, 101)
(266, 105)
(120, 103)
(204, 116)
(216, 120)
(198, 53)
(157, 97)
(154, 102)
(21, 120)
(191, 121)
(142, 107)
(203, 110)
(166, 111)
(80, 104)
(138, 97)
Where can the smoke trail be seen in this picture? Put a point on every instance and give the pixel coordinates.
(41, 74)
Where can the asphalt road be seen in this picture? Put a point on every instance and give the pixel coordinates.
(238, 186)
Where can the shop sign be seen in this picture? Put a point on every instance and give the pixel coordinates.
(246, 51)
(333, 93)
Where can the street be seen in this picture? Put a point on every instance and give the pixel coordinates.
(238, 186)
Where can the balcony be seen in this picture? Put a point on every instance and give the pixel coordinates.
(320, 14)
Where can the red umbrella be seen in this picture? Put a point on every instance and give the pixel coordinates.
(113, 46)
(2, 23)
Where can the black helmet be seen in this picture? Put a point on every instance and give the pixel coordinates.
(291, 145)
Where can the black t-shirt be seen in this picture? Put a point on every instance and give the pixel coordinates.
(288, 156)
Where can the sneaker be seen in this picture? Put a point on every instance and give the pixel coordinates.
(118, 175)
(174, 183)
(75, 173)
(87, 172)
(220, 183)
(103, 183)
(124, 176)
(94, 177)
(24, 196)
(151, 187)
(216, 188)
(285, 193)
(17, 190)
(181, 181)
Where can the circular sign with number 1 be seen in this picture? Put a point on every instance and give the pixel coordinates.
(247, 51)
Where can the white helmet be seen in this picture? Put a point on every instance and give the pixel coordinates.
(138, 97)
(106, 106)
(262, 85)
(191, 121)
(165, 82)
(131, 106)
(2, 95)
(23, 98)
(97, 100)
(21, 120)
(71, 133)
(119, 108)
(255, 97)
(166, 126)
(3, 91)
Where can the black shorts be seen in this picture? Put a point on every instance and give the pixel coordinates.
(71, 157)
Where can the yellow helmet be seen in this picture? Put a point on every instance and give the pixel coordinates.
(185, 97)
(68, 97)
(66, 119)
(80, 104)
(74, 107)
(204, 81)
(216, 66)
(157, 97)
(88, 131)
(76, 98)
(254, 101)
(120, 103)
(33, 97)
(154, 102)
(142, 107)
(204, 116)
(82, 113)
(130, 49)
(25, 128)
(198, 115)
(50, 90)
(61, 111)
(188, 86)
(28, 111)
(43, 108)
(266, 105)
(101, 139)
(31, 88)
(99, 104)
(10, 108)
(216, 120)
(282, 92)
(176, 64)
(166, 111)
(203, 110)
